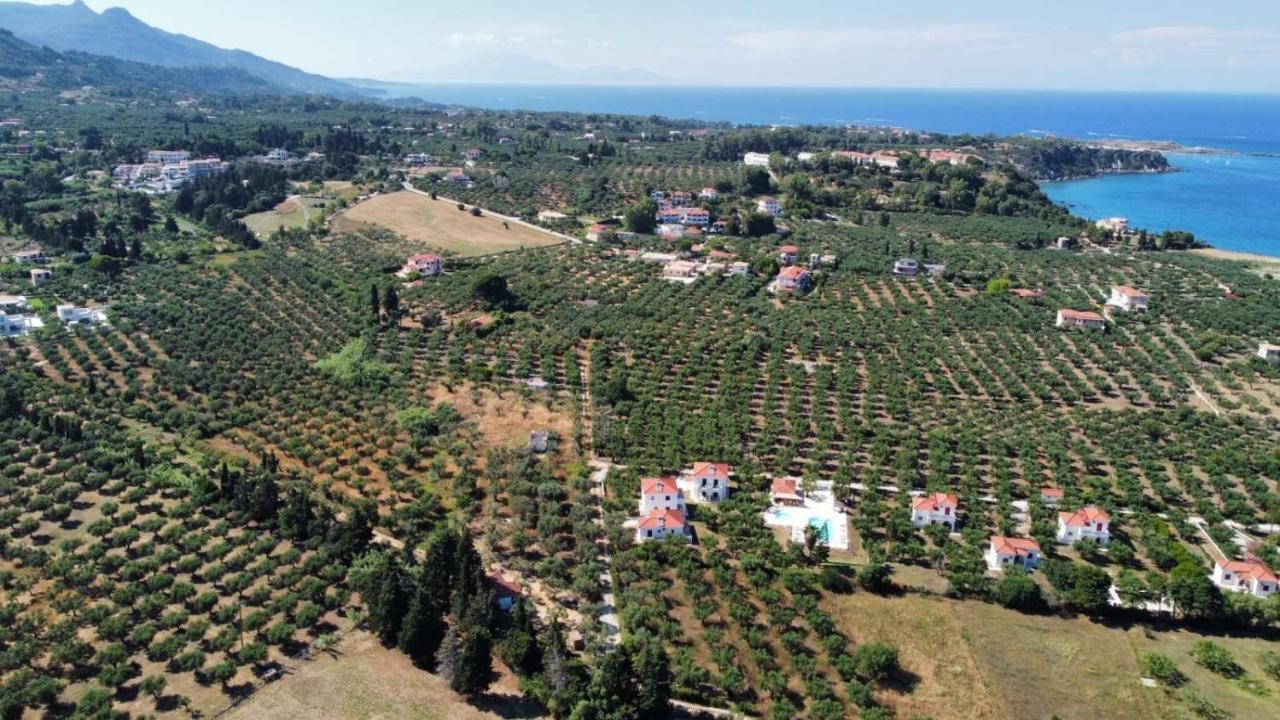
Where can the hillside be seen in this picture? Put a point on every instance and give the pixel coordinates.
(118, 34)
(24, 66)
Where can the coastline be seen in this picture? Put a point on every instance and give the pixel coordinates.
(1237, 256)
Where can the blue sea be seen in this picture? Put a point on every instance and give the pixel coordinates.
(1227, 199)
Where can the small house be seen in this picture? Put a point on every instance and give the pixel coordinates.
(1127, 299)
(1113, 224)
(1247, 576)
(425, 264)
(1051, 496)
(12, 303)
(538, 440)
(40, 276)
(934, 509)
(709, 193)
(1068, 318)
(506, 592)
(72, 316)
(597, 231)
(1004, 551)
(1087, 523)
(795, 280)
(788, 254)
(680, 270)
(1269, 352)
(660, 524)
(906, 267)
(769, 206)
(786, 491)
(31, 256)
(755, 159)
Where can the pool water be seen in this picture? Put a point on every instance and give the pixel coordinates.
(824, 528)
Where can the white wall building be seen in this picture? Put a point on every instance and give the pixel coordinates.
(755, 159)
(1247, 576)
(1004, 551)
(1087, 523)
(1127, 299)
(660, 494)
(72, 316)
(1269, 352)
(707, 482)
(934, 509)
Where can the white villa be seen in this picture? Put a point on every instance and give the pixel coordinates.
(1087, 523)
(1003, 551)
(1113, 224)
(906, 267)
(16, 325)
(1068, 318)
(707, 482)
(40, 276)
(788, 254)
(31, 256)
(72, 316)
(661, 524)
(1269, 352)
(12, 303)
(934, 509)
(1127, 299)
(794, 279)
(769, 206)
(425, 265)
(168, 156)
(1247, 576)
(755, 159)
(660, 494)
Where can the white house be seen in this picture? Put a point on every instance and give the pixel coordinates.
(699, 217)
(1269, 352)
(794, 279)
(31, 256)
(660, 494)
(660, 524)
(40, 276)
(457, 177)
(755, 159)
(166, 157)
(70, 315)
(1247, 576)
(16, 325)
(1127, 299)
(1087, 523)
(12, 303)
(707, 482)
(788, 254)
(680, 270)
(709, 193)
(1003, 551)
(669, 214)
(740, 268)
(906, 267)
(769, 206)
(425, 265)
(1113, 224)
(934, 509)
(1068, 318)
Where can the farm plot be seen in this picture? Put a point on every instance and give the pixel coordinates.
(428, 224)
(294, 212)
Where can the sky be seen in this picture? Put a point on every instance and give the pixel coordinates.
(1155, 45)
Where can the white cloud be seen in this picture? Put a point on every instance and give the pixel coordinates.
(1197, 35)
(932, 36)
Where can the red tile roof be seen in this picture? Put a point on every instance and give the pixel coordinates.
(789, 250)
(1081, 315)
(424, 258)
(1249, 569)
(1128, 292)
(657, 486)
(934, 502)
(1021, 547)
(504, 587)
(1026, 293)
(662, 519)
(795, 272)
(1084, 516)
(1052, 492)
(710, 468)
(785, 486)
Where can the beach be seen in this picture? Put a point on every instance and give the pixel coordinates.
(1252, 258)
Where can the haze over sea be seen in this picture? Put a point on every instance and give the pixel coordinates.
(1228, 200)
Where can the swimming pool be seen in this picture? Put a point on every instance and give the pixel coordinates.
(824, 528)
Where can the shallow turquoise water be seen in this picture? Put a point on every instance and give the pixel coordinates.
(1229, 201)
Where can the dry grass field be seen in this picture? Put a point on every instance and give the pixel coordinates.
(295, 212)
(970, 660)
(361, 680)
(438, 225)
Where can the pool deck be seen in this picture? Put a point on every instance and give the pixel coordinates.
(819, 506)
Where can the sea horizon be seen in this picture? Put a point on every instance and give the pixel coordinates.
(1223, 204)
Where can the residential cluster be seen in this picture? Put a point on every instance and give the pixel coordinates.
(165, 171)
(18, 318)
(1123, 299)
(663, 512)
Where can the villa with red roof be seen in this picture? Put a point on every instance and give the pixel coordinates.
(707, 482)
(426, 265)
(1080, 319)
(660, 524)
(786, 491)
(934, 509)
(1051, 495)
(660, 494)
(507, 592)
(1087, 523)
(709, 193)
(794, 279)
(1127, 299)
(1003, 551)
(788, 254)
(1245, 576)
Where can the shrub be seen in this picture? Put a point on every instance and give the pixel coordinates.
(875, 660)
(1216, 658)
(1162, 668)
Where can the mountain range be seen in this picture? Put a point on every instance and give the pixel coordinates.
(116, 33)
